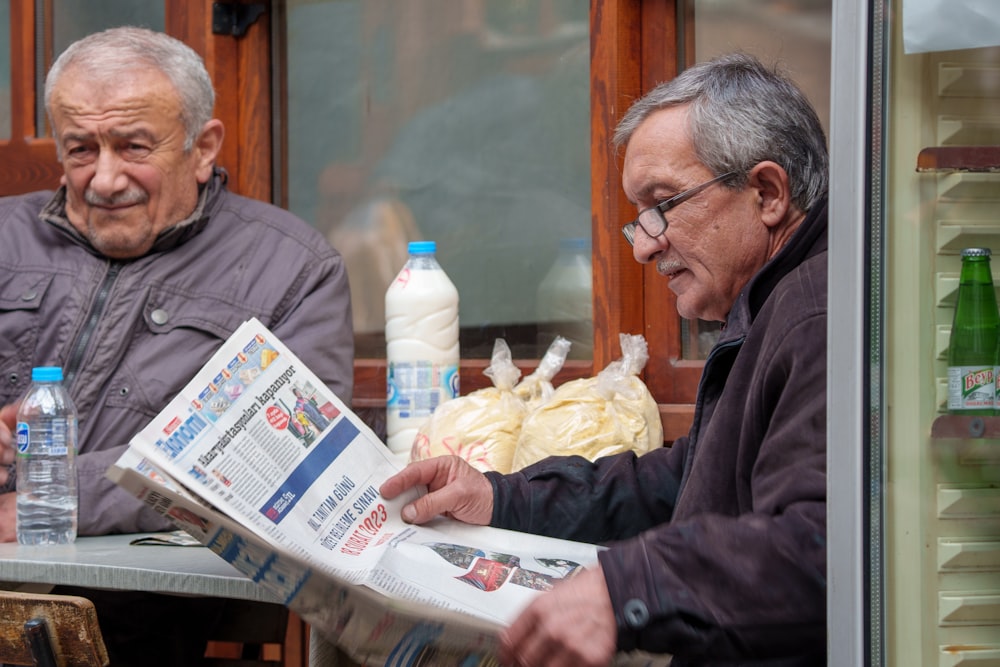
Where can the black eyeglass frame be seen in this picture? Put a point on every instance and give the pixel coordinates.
(628, 229)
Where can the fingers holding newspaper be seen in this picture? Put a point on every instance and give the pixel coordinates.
(573, 625)
(454, 489)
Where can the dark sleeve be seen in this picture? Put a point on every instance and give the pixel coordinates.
(569, 497)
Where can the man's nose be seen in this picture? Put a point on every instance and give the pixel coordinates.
(645, 248)
(109, 177)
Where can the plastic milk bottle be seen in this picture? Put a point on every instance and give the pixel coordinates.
(422, 353)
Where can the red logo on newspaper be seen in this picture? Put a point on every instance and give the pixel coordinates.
(277, 418)
(174, 423)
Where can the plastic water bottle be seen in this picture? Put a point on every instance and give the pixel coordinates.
(46, 461)
(422, 353)
(564, 306)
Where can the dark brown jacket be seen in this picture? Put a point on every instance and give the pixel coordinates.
(717, 544)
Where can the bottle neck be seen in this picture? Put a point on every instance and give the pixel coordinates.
(976, 269)
(423, 261)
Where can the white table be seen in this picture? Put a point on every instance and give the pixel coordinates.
(111, 562)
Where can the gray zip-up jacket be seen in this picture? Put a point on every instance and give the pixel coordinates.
(130, 334)
(717, 544)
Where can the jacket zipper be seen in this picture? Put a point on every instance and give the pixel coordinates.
(96, 310)
(699, 406)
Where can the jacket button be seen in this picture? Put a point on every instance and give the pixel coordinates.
(30, 295)
(159, 316)
(636, 614)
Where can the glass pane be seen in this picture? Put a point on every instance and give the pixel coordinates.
(73, 19)
(5, 70)
(463, 123)
(794, 35)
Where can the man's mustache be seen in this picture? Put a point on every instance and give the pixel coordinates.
(126, 198)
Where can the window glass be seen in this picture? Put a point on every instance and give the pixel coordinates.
(465, 123)
(5, 71)
(73, 19)
(794, 35)
(5, 66)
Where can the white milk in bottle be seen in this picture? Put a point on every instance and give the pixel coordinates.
(421, 333)
(564, 305)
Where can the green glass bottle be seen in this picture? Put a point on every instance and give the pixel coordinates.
(972, 352)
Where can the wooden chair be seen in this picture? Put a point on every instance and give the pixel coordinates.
(50, 631)
(257, 634)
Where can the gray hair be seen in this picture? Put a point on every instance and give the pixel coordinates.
(127, 48)
(742, 113)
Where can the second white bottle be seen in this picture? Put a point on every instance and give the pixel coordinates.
(422, 351)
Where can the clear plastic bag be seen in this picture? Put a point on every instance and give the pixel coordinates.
(482, 427)
(537, 388)
(607, 414)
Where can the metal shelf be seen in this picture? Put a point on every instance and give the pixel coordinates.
(959, 158)
(956, 426)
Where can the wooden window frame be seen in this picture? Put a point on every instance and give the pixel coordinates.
(634, 45)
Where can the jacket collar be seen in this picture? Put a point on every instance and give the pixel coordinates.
(808, 240)
(54, 213)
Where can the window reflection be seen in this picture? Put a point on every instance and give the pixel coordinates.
(5, 71)
(466, 123)
(73, 19)
(792, 34)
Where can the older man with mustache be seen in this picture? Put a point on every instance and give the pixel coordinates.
(717, 544)
(142, 263)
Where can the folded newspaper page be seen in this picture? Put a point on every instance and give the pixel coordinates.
(262, 463)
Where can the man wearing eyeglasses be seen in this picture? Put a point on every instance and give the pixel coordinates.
(717, 544)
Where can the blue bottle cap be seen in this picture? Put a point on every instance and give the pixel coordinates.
(422, 247)
(46, 374)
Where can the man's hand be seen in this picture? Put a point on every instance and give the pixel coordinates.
(8, 517)
(8, 415)
(455, 489)
(8, 504)
(573, 625)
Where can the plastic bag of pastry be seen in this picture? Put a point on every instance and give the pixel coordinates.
(593, 417)
(537, 387)
(482, 426)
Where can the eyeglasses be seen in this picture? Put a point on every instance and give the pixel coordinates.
(653, 220)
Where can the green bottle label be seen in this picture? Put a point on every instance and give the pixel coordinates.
(971, 388)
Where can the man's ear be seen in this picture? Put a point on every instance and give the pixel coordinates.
(207, 147)
(774, 197)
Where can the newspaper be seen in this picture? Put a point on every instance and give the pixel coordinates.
(263, 464)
